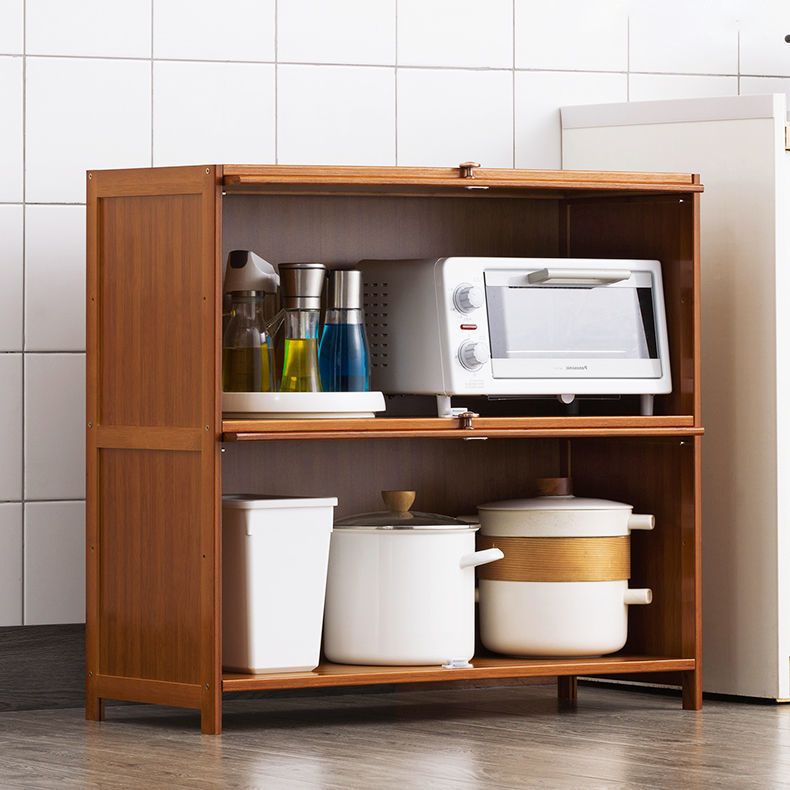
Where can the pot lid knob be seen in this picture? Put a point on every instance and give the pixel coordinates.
(554, 486)
(398, 501)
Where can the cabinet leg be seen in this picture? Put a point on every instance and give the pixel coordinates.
(567, 689)
(211, 717)
(94, 708)
(692, 690)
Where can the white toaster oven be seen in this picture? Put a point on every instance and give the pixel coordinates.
(517, 327)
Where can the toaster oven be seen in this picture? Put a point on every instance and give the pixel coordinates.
(509, 327)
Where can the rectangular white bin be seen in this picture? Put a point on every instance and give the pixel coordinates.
(275, 553)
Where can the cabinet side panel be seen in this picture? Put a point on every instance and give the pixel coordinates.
(150, 564)
(150, 317)
(153, 429)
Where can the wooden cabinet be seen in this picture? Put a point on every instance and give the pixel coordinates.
(157, 240)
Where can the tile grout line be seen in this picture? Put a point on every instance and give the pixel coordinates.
(513, 82)
(152, 83)
(396, 83)
(424, 67)
(739, 61)
(24, 294)
(628, 58)
(276, 83)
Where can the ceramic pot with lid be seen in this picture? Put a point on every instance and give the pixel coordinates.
(401, 587)
(562, 589)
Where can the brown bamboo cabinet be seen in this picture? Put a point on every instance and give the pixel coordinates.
(157, 241)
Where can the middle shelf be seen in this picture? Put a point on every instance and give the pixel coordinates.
(242, 430)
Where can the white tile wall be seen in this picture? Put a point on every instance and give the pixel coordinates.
(10, 564)
(139, 82)
(121, 28)
(647, 87)
(11, 427)
(539, 94)
(764, 26)
(455, 33)
(11, 27)
(450, 116)
(54, 565)
(54, 426)
(211, 30)
(343, 31)
(765, 85)
(81, 114)
(55, 278)
(11, 223)
(339, 114)
(11, 144)
(692, 36)
(588, 35)
(188, 128)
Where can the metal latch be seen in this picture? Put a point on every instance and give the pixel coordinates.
(468, 169)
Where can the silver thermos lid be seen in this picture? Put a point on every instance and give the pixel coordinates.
(301, 285)
(345, 290)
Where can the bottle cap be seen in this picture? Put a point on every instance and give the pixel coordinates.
(345, 290)
(248, 272)
(302, 284)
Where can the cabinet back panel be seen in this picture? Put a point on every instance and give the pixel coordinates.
(450, 476)
(657, 477)
(661, 228)
(342, 230)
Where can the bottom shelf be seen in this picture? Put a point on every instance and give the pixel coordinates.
(485, 667)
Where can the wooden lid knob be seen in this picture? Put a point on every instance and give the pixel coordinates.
(554, 486)
(398, 501)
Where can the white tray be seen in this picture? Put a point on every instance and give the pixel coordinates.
(301, 405)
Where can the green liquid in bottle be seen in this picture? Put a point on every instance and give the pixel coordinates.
(246, 369)
(300, 368)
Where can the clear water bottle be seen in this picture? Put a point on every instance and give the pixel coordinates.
(343, 352)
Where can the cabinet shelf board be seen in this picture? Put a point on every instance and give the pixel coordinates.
(328, 674)
(236, 430)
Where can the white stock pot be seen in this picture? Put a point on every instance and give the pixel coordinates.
(401, 587)
(562, 589)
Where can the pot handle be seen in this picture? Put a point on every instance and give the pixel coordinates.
(641, 521)
(631, 597)
(481, 557)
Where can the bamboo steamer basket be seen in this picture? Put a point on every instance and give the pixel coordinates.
(562, 588)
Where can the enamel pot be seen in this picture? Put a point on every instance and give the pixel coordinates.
(401, 587)
(562, 589)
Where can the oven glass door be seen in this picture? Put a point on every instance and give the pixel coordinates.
(571, 331)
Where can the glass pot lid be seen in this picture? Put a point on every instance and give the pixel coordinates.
(399, 516)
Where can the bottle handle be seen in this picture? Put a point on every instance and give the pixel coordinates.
(274, 324)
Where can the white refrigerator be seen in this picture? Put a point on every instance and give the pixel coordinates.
(737, 144)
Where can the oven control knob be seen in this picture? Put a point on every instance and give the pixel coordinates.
(468, 298)
(472, 355)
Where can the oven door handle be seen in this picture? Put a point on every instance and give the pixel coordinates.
(585, 277)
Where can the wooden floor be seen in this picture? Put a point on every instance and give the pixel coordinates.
(459, 738)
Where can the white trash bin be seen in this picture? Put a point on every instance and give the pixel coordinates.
(275, 554)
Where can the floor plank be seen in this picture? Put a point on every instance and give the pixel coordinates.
(457, 738)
